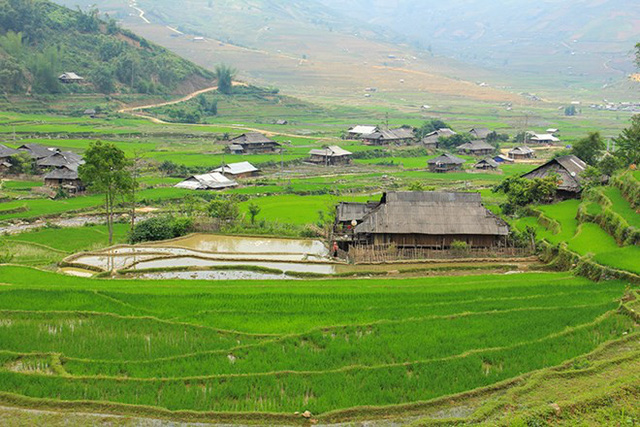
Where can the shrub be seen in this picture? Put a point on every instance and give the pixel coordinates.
(459, 246)
(161, 228)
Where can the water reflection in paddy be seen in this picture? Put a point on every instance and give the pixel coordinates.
(203, 263)
(214, 275)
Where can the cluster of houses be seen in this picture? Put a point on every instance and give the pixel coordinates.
(60, 168)
(224, 177)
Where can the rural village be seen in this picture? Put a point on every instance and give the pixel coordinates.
(361, 232)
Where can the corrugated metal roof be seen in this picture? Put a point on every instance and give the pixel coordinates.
(432, 213)
(521, 150)
(251, 138)
(209, 181)
(237, 168)
(332, 151)
(568, 168)
(363, 129)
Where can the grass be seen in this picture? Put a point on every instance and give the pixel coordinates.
(279, 347)
(621, 206)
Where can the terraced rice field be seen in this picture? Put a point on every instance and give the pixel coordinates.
(276, 347)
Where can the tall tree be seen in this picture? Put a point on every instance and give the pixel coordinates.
(106, 170)
(590, 148)
(628, 143)
(225, 75)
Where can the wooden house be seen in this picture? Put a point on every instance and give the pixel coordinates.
(521, 153)
(238, 170)
(37, 151)
(568, 169)
(348, 213)
(253, 143)
(476, 148)
(330, 156)
(65, 177)
(431, 220)
(486, 164)
(209, 181)
(59, 159)
(445, 163)
(68, 78)
(541, 138)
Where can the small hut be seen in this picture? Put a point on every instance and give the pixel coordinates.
(357, 132)
(403, 135)
(253, 143)
(5, 157)
(238, 170)
(445, 163)
(480, 133)
(476, 148)
(65, 177)
(486, 164)
(68, 78)
(431, 140)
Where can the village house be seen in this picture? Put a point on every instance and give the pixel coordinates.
(65, 177)
(476, 148)
(568, 169)
(209, 181)
(521, 153)
(430, 140)
(399, 136)
(59, 159)
(480, 133)
(90, 112)
(486, 164)
(37, 151)
(68, 78)
(238, 170)
(543, 138)
(445, 163)
(330, 156)
(348, 214)
(253, 143)
(357, 132)
(5, 158)
(431, 220)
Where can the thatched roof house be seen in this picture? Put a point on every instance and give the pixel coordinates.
(432, 220)
(332, 155)
(209, 181)
(430, 140)
(65, 177)
(59, 159)
(445, 163)
(70, 77)
(486, 164)
(480, 133)
(521, 153)
(568, 169)
(476, 148)
(253, 142)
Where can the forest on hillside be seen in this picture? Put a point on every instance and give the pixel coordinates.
(40, 40)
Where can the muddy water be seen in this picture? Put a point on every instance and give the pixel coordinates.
(109, 263)
(203, 263)
(249, 245)
(166, 251)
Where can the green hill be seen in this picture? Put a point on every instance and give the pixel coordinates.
(40, 40)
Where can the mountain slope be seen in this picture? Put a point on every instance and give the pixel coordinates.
(40, 40)
(589, 39)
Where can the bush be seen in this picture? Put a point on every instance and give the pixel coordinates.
(160, 228)
(459, 246)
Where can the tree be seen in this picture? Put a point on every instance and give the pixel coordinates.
(570, 110)
(453, 141)
(103, 79)
(225, 75)
(628, 143)
(521, 192)
(106, 170)
(224, 210)
(609, 164)
(254, 210)
(589, 149)
(430, 126)
(22, 163)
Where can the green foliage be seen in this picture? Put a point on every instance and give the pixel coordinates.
(22, 163)
(161, 228)
(40, 40)
(429, 127)
(589, 149)
(225, 75)
(453, 141)
(459, 246)
(224, 209)
(570, 111)
(521, 192)
(628, 143)
(254, 210)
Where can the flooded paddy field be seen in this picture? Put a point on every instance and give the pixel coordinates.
(215, 257)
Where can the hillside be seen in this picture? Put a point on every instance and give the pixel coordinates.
(570, 43)
(40, 40)
(303, 48)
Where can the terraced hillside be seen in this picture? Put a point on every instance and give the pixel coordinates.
(222, 349)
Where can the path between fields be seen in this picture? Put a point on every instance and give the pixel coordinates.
(137, 111)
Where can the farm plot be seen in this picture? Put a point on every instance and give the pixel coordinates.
(278, 347)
